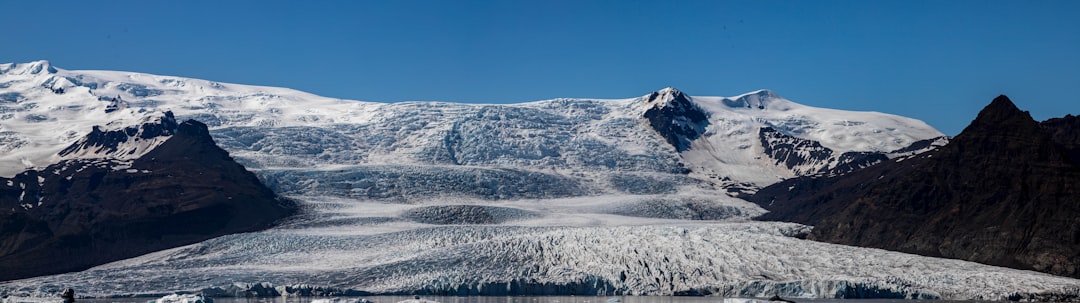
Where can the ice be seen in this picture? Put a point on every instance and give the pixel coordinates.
(278, 128)
(52, 299)
(556, 197)
(183, 298)
(566, 252)
(745, 300)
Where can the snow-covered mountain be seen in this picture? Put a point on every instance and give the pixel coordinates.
(123, 191)
(123, 142)
(591, 144)
(563, 196)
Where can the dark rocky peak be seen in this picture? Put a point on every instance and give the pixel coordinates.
(114, 104)
(1003, 131)
(1003, 192)
(667, 95)
(760, 100)
(123, 142)
(193, 128)
(165, 126)
(81, 212)
(675, 117)
(1001, 116)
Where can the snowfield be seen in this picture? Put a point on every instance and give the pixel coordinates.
(44, 109)
(555, 197)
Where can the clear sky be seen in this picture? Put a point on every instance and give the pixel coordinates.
(939, 61)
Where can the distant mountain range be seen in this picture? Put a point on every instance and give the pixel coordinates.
(640, 196)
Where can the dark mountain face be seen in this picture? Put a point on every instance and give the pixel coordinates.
(795, 153)
(676, 118)
(1005, 192)
(1065, 131)
(85, 212)
(100, 141)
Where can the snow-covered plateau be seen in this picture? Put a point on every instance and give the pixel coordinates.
(556, 197)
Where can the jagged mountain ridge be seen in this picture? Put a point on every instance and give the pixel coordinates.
(675, 117)
(124, 142)
(795, 154)
(123, 192)
(1003, 192)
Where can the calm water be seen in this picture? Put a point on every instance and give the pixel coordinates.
(521, 299)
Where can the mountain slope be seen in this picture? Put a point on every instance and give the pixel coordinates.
(562, 196)
(1003, 192)
(1064, 131)
(589, 142)
(123, 192)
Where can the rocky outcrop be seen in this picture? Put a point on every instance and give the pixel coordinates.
(84, 212)
(807, 157)
(675, 117)
(1003, 192)
(121, 143)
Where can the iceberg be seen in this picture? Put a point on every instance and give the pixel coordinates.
(185, 298)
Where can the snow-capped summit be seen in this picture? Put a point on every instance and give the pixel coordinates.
(663, 95)
(30, 68)
(761, 99)
(715, 139)
(759, 138)
(123, 142)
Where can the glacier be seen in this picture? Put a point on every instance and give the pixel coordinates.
(572, 253)
(554, 197)
(586, 140)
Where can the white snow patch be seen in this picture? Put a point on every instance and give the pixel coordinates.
(182, 298)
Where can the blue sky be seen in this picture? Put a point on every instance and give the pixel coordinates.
(939, 61)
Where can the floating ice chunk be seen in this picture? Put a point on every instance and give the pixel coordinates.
(177, 298)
